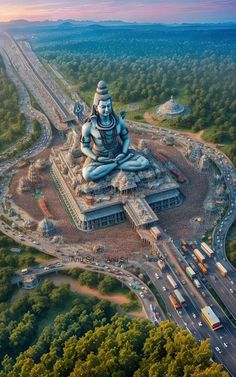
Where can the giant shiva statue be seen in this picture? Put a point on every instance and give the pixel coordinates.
(105, 140)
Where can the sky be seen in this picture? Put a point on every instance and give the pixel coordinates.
(164, 11)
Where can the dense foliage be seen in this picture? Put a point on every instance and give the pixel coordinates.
(149, 64)
(12, 122)
(104, 283)
(10, 262)
(89, 340)
(231, 244)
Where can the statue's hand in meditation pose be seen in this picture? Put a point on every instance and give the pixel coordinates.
(105, 140)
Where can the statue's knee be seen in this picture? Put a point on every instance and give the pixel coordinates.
(86, 174)
(144, 162)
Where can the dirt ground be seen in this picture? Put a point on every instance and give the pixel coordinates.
(112, 238)
(194, 135)
(122, 239)
(178, 221)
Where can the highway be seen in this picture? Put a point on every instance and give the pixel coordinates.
(189, 317)
(30, 113)
(28, 68)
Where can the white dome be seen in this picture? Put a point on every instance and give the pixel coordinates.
(170, 108)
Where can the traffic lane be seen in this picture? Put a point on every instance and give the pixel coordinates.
(159, 283)
(192, 324)
(224, 293)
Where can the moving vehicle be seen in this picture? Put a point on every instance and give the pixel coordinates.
(171, 281)
(174, 301)
(25, 271)
(207, 250)
(161, 264)
(202, 268)
(196, 283)
(155, 232)
(179, 297)
(201, 258)
(211, 318)
(222, 270)
(190, 272)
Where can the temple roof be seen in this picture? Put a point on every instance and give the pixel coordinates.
(46, 227)
(170, 108)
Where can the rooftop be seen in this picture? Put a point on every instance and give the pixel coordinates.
(171, 108)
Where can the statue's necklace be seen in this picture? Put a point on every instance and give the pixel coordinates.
(112, 143)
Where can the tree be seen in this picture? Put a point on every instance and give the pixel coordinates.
(108, 284)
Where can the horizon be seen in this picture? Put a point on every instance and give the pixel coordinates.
(114, 21)
(140, 11)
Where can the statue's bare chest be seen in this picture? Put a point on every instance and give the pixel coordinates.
(109, 134)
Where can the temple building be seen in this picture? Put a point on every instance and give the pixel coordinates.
(47, 228)
(24, 185)
(98, 204)
(170, 109)
(34, 177)
(103, 179)
(204, 164)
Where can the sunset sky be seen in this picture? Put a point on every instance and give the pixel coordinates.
(167, 11)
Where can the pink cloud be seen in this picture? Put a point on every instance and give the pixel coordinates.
(129, 10)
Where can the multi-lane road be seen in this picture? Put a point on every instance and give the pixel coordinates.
(50, 97)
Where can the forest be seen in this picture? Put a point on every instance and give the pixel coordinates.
(146, 65)
(231, 244)
(52, 332)
(10, 262)
(90, 339)
(12, 124)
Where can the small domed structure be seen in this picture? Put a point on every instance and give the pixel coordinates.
(170, 108)
(47, 228)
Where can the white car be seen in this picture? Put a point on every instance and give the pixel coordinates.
(226, 345)
(200, 324)
(157, 276)
(194, 315)
(164, 289)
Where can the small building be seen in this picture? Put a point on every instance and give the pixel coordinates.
(194, 153)
(169, 140)
(170, 109)
(30, 224)
(24, 185)
(16, 250)
(47, 228)
(204, 163)
(41, 164)
(30, 282)
(34, 177)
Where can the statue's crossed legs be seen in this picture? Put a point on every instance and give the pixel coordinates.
(96, 170)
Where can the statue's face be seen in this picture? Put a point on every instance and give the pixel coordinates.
(104, 108)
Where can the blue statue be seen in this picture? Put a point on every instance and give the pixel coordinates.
(105, 140)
